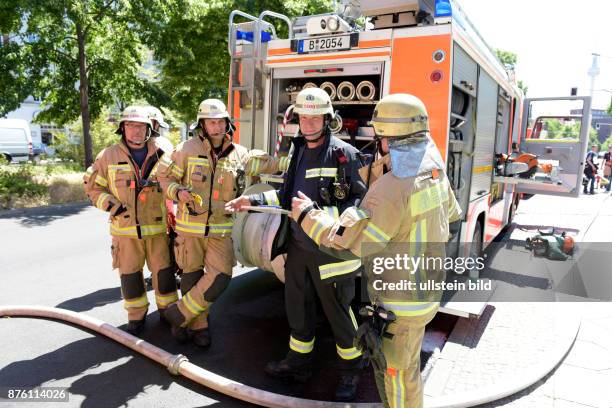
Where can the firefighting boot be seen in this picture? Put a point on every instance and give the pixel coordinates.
(200, 338)
(136, 327)
(347, 387)
(174, 316)
(294, 367)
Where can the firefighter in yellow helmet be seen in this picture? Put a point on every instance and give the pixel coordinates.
(122, 182)
(409, 207)
(202, 174)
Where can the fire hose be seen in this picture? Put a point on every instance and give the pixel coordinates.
(346, 91)
(330, 88)
(177, 364)
(365, 91)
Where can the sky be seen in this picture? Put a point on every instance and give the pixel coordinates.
(553, 39)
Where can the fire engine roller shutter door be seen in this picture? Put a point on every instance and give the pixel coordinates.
(486, 119)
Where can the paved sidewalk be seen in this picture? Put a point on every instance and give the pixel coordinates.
(512, 342)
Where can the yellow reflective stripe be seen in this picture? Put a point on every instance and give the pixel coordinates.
(482, 169)
(190, 227)
(253, 166)
(191, 305)
(271, 178)
(141, 301)
(101, 181)
(348, 353)
(376, 234)
(301, 346)
(172, 190)
(410, 308)
(283, 163)
(321, 172)
(178, 173)
(428, 199)
(339, 268)
(271, 198)
(399, 392)
(353, 317)
(116, 167)
(332, 212)
(165, 300)
(197, 160)
(316, 230)
(216, 228)
(100, 201)
(145, 230)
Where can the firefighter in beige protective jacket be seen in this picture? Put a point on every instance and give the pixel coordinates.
(202, 174)
(409, 208)
(122, 182)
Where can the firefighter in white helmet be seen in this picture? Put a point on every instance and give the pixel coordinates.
(122, 182)
(408, 208)
(202, 174)
(160, 128)
(326, 168)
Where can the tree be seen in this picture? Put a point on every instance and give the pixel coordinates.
(609, 110)
(509, 60)
(190, 44)
(77, 56)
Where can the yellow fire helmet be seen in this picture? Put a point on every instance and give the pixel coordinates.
(400, 115)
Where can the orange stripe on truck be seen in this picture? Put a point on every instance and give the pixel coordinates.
(331, 57)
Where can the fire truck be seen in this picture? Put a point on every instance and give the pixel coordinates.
(429, 48)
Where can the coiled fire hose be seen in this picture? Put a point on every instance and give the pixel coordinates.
(177, 364)
(330, 88)
(346, 91)
(366, 91)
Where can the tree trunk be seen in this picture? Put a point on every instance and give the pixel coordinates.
(84, 92)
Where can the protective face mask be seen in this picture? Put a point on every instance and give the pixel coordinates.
(413, 156)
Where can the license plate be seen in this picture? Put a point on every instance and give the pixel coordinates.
(339, 42)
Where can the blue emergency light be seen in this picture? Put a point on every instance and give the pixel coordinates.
(443, 8)
(248, 36)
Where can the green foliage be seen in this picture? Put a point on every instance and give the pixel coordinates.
(18, 181)
(606, 144)
(522, 86)
(69, 147)
(507, 58)
(558, 130)
(190, 42)
(609, 110)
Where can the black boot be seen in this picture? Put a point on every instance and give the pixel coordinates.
(347, 387)
(174, 316)
(292, 367)
(200, 338)
(136, 327)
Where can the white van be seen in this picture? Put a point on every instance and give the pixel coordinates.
(16, 140)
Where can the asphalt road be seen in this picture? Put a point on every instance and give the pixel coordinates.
(60, 257)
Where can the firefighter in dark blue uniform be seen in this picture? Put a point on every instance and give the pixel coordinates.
(325, 167)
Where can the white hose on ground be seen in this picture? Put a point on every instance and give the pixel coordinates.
(175, 363)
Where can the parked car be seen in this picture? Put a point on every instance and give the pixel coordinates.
(16, 140)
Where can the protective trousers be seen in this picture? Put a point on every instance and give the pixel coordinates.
(207, 270)
(302, 286)
(129, 256)
(401, 385)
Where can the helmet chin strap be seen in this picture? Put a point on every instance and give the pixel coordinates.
(146, 139)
